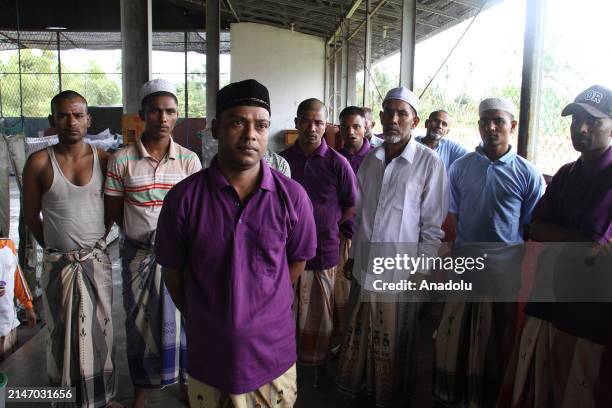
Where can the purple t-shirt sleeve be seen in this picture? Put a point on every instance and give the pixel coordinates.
(347, 186)
(170, 238)
(302, 239)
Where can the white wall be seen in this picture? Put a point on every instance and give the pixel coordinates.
(290, 65)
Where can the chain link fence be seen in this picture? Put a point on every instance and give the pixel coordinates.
(488, 62)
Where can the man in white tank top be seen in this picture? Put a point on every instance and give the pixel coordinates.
(65, 183)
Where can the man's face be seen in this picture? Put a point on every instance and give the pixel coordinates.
(352, 130)
(311, 126)
(71, 120)
(397, 119)
(590, 133)
(160, 115)
(242, 132)
(437, 125)
(496, 127)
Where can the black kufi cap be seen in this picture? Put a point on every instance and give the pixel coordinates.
(248, 92)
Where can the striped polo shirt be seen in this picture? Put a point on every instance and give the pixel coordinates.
(144, 182)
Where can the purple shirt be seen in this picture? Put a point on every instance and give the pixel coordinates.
(356, 159)
(239, 325)
(581, 200)
(332, 188)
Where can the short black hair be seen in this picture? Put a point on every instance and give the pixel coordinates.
(65, 95)
(366, 112)
(145, 101)
(352, 110)
(311, 104)
(438, 111)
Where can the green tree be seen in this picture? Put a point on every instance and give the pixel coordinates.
(40, 82)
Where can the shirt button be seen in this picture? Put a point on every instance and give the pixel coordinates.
(240, 221)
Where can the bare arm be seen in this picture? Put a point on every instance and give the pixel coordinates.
(32, 194)
(296, 269)
(545, 232)
(174, 279)
(103, 157)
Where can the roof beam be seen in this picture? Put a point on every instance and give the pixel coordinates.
(347, 16)
(360, 26)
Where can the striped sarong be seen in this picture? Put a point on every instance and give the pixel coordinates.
(472, 346)
(77, 295)
(551, 368)
(313, 308)
(379, 351)
(156, 346)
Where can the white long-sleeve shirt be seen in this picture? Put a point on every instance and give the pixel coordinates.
(403, 203)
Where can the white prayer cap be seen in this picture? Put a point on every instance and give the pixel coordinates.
(156, 85)
(403, 94)
(497, 104)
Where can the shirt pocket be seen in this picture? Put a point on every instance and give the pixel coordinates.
(270, 255)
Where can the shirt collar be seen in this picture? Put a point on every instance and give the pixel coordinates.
(407, 154)
(142, 151)
(365, 148)
(506, 158)
(320, 151)
(604, 161)
(219, 181)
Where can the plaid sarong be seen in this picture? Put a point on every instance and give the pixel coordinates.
(551, 368)
(313, 308)
(156, 346)
(379, 351)
(472, 346)
(77, 295)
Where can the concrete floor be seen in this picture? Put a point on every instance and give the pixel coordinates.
(27, 366)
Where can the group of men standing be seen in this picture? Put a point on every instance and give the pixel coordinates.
(240, 270)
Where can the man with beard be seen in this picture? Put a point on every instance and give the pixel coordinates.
(438, 126)
(65, 183)
(139, 177)
(403, 201)
(374, 140)
(560, 358)
(232, 239)
(493, 194)
(330, 183)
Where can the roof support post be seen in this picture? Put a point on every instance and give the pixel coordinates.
(367, 54)
(408, 43)
(531, 78)
(213, 17)
(136, 50)
(344, 76)
(351, 78)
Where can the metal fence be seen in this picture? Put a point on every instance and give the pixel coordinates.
(34, 66)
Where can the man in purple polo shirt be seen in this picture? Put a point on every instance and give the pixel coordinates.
(559, 358)
(355, 148)
(332, 188)
(232, 239)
